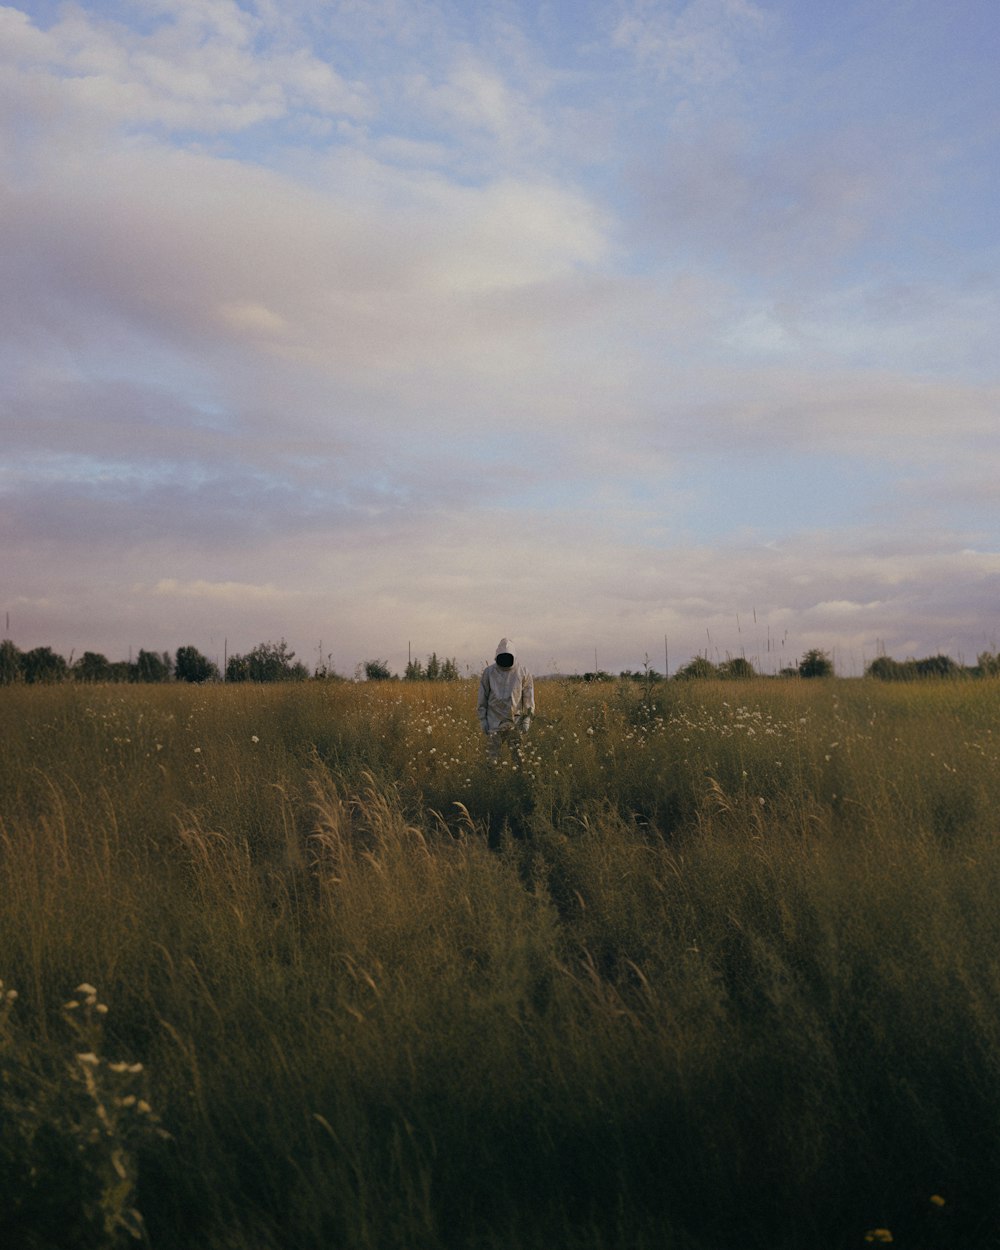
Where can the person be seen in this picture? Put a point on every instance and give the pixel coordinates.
(506, 698)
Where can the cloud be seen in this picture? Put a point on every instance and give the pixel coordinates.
(385, 323)
(697, 43)
(230, 593)
(197, 66)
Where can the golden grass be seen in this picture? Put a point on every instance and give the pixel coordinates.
(711, 968)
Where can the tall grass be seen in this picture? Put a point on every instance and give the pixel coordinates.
(710, 967)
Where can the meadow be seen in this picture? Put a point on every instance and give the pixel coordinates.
(707, 965)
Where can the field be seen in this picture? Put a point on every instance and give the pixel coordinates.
(709, 966)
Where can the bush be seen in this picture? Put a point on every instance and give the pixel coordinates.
(378, 670)
(700, 668)
(268, 661)
(815, 663)
(737, 669)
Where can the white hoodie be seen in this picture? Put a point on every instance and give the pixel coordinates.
(506, 695)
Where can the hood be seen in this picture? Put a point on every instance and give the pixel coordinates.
(506, 645)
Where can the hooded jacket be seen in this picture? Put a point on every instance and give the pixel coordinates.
(506, 695)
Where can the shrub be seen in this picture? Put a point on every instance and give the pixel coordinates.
(700, 668)
(815, 663)
(377, 670)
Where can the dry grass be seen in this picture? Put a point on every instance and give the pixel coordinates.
(711, 969)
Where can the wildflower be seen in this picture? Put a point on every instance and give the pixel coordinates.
(88, 1059)
(937, 1200)
(11, 996)
(85, 988)
(72, 1005)
(882, 1235)
(197, 750)
(101, 1009)
(118, 1067)
(254, 738)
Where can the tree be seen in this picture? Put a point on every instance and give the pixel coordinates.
(92, 666)
(815, 663)
(377, 670)
(987, 663)
(449, 670)
(151, 666)
(268, 661)
(885, 668)
(191, 665)
(937, 666)
(238, 668)
(700, 668)
(11, 669)
(414, 671)
(43, 665)
(433, 667)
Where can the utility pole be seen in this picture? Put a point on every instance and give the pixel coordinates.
(666, 658)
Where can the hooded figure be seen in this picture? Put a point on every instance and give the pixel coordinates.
(506, 696)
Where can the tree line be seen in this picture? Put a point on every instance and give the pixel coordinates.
(267, 662)
(815, 663)
(274, 661)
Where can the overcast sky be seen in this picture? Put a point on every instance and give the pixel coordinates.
(369, 323)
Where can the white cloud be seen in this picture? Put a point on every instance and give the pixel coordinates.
(234, 593)
(695, 43)
(198, 67)
(327, 324)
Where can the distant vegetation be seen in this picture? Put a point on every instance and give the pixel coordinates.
(273, 661)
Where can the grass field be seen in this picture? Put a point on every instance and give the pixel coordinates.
(293, 966)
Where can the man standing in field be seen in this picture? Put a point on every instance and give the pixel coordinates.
(506, 698)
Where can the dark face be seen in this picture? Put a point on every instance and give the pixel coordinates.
(505, 660)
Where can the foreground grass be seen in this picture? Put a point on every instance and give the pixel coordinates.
(716, 968)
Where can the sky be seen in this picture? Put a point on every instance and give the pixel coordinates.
(632, 330)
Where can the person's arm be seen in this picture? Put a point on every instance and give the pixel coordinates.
(482, 706)
(527, 701)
